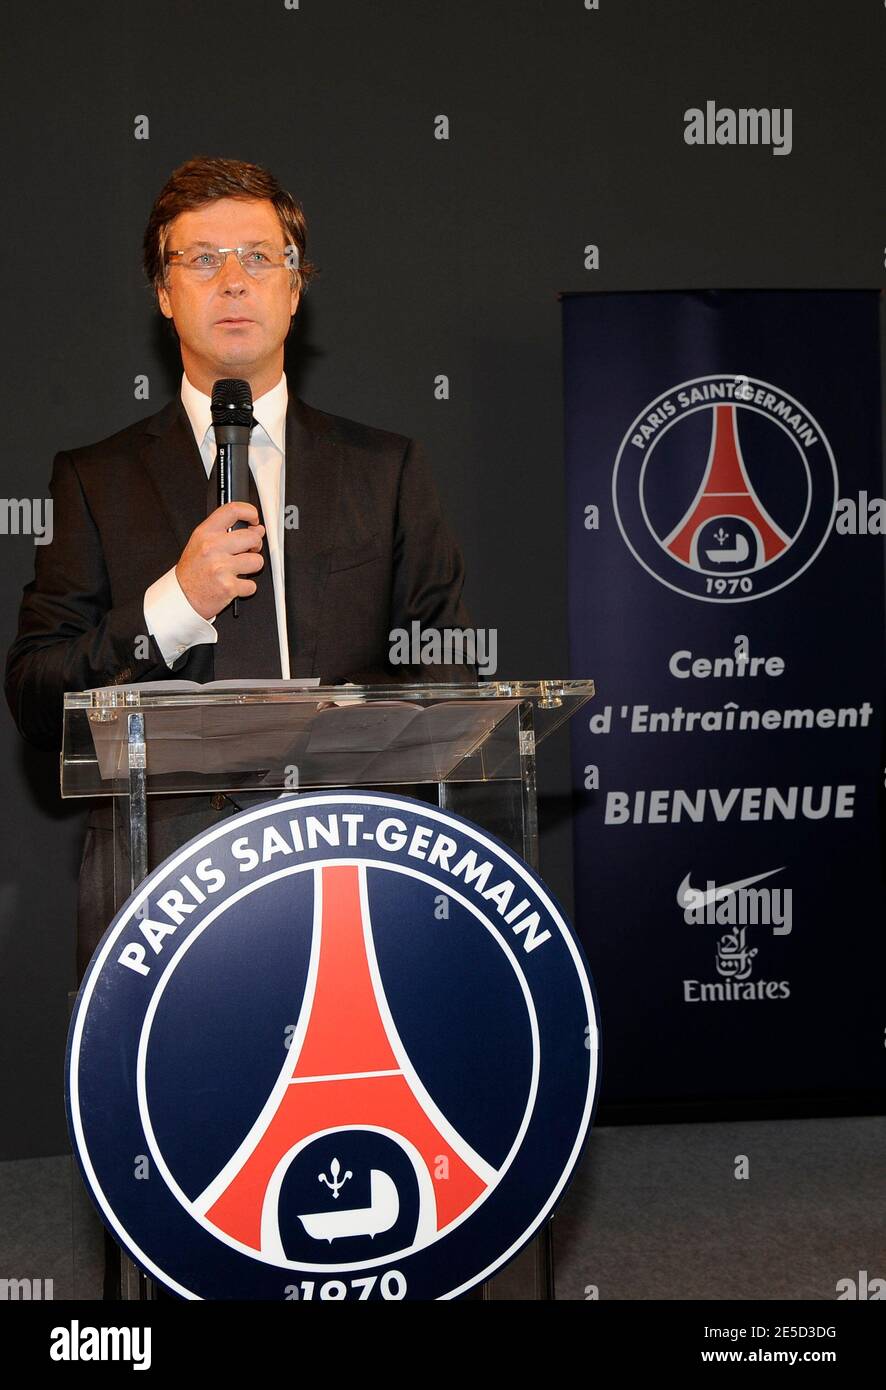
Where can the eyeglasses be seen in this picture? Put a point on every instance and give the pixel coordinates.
(205, 262)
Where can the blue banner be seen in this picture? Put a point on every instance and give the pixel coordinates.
(726, 572)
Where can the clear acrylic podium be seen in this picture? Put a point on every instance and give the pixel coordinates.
(470, 749)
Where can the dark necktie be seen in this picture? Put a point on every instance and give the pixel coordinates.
(247, 646)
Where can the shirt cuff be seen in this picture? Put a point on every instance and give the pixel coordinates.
(174, 625)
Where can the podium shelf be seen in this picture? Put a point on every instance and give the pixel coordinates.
(282, 736)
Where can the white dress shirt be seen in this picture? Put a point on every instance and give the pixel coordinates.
(172, 622)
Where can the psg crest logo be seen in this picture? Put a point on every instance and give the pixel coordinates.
(725, 488)
(341, 1046)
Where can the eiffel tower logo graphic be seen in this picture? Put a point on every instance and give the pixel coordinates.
(726, 491)
(346, 1069)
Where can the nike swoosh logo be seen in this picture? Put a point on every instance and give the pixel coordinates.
(687, 896)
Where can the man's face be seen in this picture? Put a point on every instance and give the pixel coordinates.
(233, 325)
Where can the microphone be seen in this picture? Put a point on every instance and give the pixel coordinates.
(232, 420)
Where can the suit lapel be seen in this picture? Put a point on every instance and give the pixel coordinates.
(313, 483)
(173, 463)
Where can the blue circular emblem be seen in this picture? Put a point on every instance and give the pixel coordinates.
(341, 1046)
(725, 488)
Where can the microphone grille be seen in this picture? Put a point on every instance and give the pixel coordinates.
(232, 402)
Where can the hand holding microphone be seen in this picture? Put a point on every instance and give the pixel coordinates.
(224, 547)
(216, 558)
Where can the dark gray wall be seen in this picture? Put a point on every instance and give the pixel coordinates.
(566, 128)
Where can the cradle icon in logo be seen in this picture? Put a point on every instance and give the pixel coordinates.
(343, 1093)
(725, 488)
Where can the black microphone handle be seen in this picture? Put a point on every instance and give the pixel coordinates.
(232, 442)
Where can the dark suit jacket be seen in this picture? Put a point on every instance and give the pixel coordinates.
(371, 552)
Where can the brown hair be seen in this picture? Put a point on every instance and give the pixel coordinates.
(206, 179)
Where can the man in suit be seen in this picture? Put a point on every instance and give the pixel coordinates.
(138, 582)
